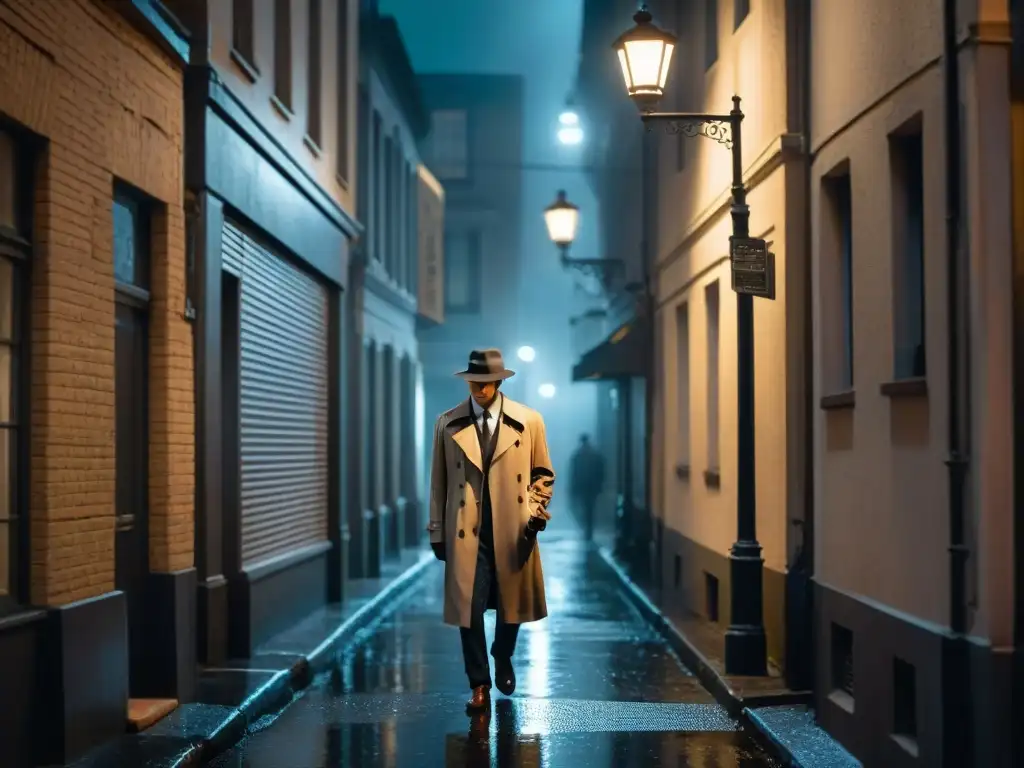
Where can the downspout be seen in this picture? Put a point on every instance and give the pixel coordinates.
(648, 201)
(957, 715)
(1017, 170)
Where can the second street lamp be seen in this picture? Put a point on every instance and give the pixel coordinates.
(562, 219)
(645, 52)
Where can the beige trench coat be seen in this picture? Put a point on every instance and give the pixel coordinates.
(521, 480)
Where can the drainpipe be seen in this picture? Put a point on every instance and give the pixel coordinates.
(1017, 166)
(957, 715)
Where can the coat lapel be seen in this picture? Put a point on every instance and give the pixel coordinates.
(511, 430)
(465, 436)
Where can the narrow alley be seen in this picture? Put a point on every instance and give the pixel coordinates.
(596, 687)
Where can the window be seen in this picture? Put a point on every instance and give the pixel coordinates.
(462, 272)
(842, 661)
(387, 183)
(449, 151)
(906, 164)
(710, 33)
(342, 126)
(740, 10)
(283, 53)
(243, 31)
(378, 202)
(14, 252)
(683, 385)
(904, 700)
(837, 253)
(711, 306)
(313, 116)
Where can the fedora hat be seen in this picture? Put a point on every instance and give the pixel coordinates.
(485, 365)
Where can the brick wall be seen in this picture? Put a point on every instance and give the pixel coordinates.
(109, 105)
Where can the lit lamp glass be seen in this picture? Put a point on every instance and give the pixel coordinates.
(562, 219)
(645, 53)
(547, 391)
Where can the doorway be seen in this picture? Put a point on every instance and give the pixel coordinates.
(132, 478)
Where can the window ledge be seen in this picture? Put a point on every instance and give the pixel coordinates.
(683, 471)
(913, 387)
(312, 146)
(712, 478)
(250, 70)
(281, 108)
(838, 401)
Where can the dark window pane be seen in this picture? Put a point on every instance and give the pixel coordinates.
(6, 299)
(8, 182)
(125, 243)
(710, 33)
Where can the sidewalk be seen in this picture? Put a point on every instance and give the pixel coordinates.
(231, 698)
(783, 718)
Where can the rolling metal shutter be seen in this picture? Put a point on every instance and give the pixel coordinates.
(283, 402)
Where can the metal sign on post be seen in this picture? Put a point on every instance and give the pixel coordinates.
(753, 267)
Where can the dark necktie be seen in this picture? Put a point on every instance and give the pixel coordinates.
(485, 432)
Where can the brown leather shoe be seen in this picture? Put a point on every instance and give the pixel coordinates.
(480, 700)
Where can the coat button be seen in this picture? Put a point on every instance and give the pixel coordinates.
(520, 499)
(474, 530)
(462, 503)
(458, 465)
(461, 485)
(517, 443)
(462, 534)
(519, 478)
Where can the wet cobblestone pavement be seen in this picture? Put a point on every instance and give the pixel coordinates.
(596, 687)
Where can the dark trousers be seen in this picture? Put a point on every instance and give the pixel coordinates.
(474, 639)
(585, 507)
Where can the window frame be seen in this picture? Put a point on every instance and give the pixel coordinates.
(17, 246)
(314, 75)
(740, 12)
(711, 33)
(713, 376)
(342, 163)
(907, 169)
(284, 76)
(243, 37)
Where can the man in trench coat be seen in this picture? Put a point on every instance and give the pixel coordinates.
(490, 484)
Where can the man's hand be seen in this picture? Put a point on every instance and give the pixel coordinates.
(535, 525)
(439, 550)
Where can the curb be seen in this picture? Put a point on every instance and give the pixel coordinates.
(709, 677)
(278, 692)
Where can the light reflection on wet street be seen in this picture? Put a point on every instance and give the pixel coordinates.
(596, 687)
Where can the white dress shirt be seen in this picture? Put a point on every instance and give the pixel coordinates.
(495, 414)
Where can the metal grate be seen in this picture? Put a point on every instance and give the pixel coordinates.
(842, 659)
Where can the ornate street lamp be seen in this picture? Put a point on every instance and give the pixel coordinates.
(562, 219)
(645, 53)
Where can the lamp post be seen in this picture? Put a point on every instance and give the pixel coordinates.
(645, 52)
(562, 219)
